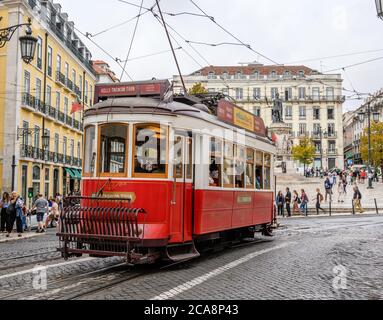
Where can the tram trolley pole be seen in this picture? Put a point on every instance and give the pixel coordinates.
(376, 206)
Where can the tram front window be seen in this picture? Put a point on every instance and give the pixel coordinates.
(113, 149)
(150, 151)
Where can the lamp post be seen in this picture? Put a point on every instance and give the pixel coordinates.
(361, 116)
(27, 42)
(379, 8)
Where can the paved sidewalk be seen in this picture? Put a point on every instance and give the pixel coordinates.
(14, 236)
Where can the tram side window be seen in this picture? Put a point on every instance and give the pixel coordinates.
(90, 150)
(267, 171)
(113, 149)
(250, 169)
(215, 168)
(228, 166)
(259, 170)
(178, 162)
(240, 165)
(150, 151)
(189, 158)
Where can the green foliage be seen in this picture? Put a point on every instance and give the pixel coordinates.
(376, 144)
(198, 88)
(304, 152)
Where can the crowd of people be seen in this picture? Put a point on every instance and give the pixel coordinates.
(14, 210)
(335, 184)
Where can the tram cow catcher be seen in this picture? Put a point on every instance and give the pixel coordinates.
(166, 176)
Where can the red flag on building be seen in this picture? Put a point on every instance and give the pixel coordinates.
(76, 106)
(274, 137)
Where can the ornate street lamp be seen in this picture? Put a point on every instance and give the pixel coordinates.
(379, 8)
(376, 116)
(27, 43)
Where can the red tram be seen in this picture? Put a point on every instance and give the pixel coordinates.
(165, 177)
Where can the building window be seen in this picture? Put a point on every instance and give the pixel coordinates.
(274, 92)
(66, 70)
(331, 146)
(330, 114)
(65, 146)
(74, 76)
(25, 140)
(225, 75)
(215, 167)
(302, 93)
(288, 94)
(273, 74)
(80, 83)
(27, 82)
(150, 151)
(318, 147)
(331, 129)
(39, 53)
(50, 61)
(316, 93)
(36, 140)
(78, 150)
(238, 75)
(289, 112)
(287, 74)
(316, 113)
(58, 101)
(49, 96)
(317, 129)
(257, 93)
(302, 129)
(211, 76)
(178, 170)
(36, 173)
(301, 74)
(66, 106)
(257, 112)
(38, 93)
(330, 93)
(72, 148)
(302, 112)
(255, 75)
(90, 150)
(57, 141)
(239, 94)
(58, 63)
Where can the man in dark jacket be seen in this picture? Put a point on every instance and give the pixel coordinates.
(288, 202)
(328, 188)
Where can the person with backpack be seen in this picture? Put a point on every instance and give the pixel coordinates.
(328, 189)
(357, 200)
(319, 199)
(15, 213)
(304, 203)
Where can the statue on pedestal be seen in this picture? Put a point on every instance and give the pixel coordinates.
(278, 110)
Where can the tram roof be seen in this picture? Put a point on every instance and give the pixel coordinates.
(149, 105)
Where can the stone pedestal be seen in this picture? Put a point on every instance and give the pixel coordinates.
(280, 133)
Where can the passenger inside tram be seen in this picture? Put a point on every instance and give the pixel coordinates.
(214, 174)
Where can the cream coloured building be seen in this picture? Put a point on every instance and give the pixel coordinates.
(313, 102)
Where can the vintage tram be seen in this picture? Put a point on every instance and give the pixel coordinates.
(165, 175)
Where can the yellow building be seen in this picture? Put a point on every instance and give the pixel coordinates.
(60, 74)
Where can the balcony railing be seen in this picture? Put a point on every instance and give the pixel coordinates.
(27, 151)
(32, 102)
(60, 78)
(332, 151)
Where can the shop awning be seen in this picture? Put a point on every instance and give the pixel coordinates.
(70, 172)
(77, 173)
(349, 155)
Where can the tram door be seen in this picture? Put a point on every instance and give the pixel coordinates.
(181, 204)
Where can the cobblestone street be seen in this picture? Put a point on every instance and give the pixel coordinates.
(315, 258)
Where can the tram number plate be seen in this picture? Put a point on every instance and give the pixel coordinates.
(244, 199)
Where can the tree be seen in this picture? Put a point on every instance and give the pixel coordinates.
(198, 88)
(304, 152)
(376, 145)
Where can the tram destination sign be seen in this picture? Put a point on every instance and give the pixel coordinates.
(230, 113)
(131, 89)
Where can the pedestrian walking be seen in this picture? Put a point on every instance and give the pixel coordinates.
(15, 214)
(319, 199)
(4, 203)
(41, 206)
(328, 189)
(357, 200)
(280, 202)
(54, 213)
(341, 193)
(304, 203)
(296, 202)
(288, 199)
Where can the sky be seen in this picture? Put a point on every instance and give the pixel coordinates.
(284, 31)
